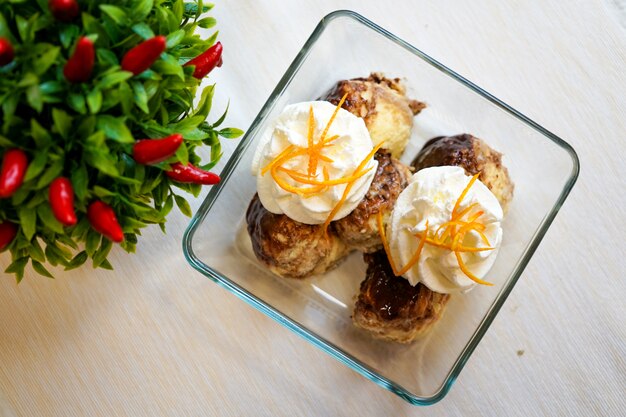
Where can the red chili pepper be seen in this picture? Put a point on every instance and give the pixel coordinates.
(206, 61)
(14, 166)
(6, 52)
(102, 218)
(142, 56)
(64, 10)
(80, 65)
(192, 174)
(8, 231)
(153, 151)
(61, 195)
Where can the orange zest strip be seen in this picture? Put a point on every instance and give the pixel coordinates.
(332, 118)
(277, 159)
(464, 193)
(383, 237)
(311, 168)
(304, 180)
(335, 209)
(417, 253)
(467, 272)
(459, 248)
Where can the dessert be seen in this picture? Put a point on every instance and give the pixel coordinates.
(475, 156)
(321, 180)
(359, 229)
(383, 105)
(329, 182)
(390, 307)
(443, 235)
(290, 248)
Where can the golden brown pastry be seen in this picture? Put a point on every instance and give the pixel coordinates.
(390, 308)
(290, 248)
(474, 155)
(359, 229)
(383, 105)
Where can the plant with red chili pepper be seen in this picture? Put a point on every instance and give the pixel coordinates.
(64, 10)
(14, 164)
(153, 151)
(80, 65)
(61, 196)
(6, 52)
(142, 56)
(205, 62)
(99, 128)
(8, 231)
(191, 174)
(103, 219)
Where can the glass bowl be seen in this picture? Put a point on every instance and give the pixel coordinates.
(544, 168)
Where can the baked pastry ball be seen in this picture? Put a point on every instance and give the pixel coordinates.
(359, 229)
(383, 105)
(474, 156)
(390, 308)
(289, 248)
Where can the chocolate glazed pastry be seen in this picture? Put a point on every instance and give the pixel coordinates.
(289, 248)
(383, 105)
(473, 155)
(390, 307)
(359, 229)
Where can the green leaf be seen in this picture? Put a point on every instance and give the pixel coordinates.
(40, 269)
(207, 22)
(183, 205)
(53, 171)
(35, 251)
(23, 28)
(76, 102)
(174, 38)
(126, 97)
(169, 65)
(115, 129)
(143, 30)
(206, 99)
(68, 34)
(113, 79)
(106, 265)
(77, 261)
(46, 60)
(182, 155)
(62, 122)
(103, 162)
(37, 165)
(140, 96)
(222, 117)
(34, 97)
(80, 181)
(17, 268)
(94, 100)
(92, 242)
(230, 133)
(188, 124)
(40, 135)
(51, 87)
(107, 57)
(28, 221)
(141, 9)
(102, 192)
(102, 253)
(117, 14)
(44, 212)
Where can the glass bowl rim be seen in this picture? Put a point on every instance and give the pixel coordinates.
(299, 329)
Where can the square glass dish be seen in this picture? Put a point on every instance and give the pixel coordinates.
(543, 167)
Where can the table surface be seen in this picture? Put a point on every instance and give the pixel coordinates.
(154, 337)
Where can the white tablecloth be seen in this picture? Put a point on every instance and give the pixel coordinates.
(154, 337)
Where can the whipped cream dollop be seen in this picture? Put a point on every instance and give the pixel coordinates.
(430, 197)
(343, 157)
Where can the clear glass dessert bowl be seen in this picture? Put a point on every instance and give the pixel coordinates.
(543, 167)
